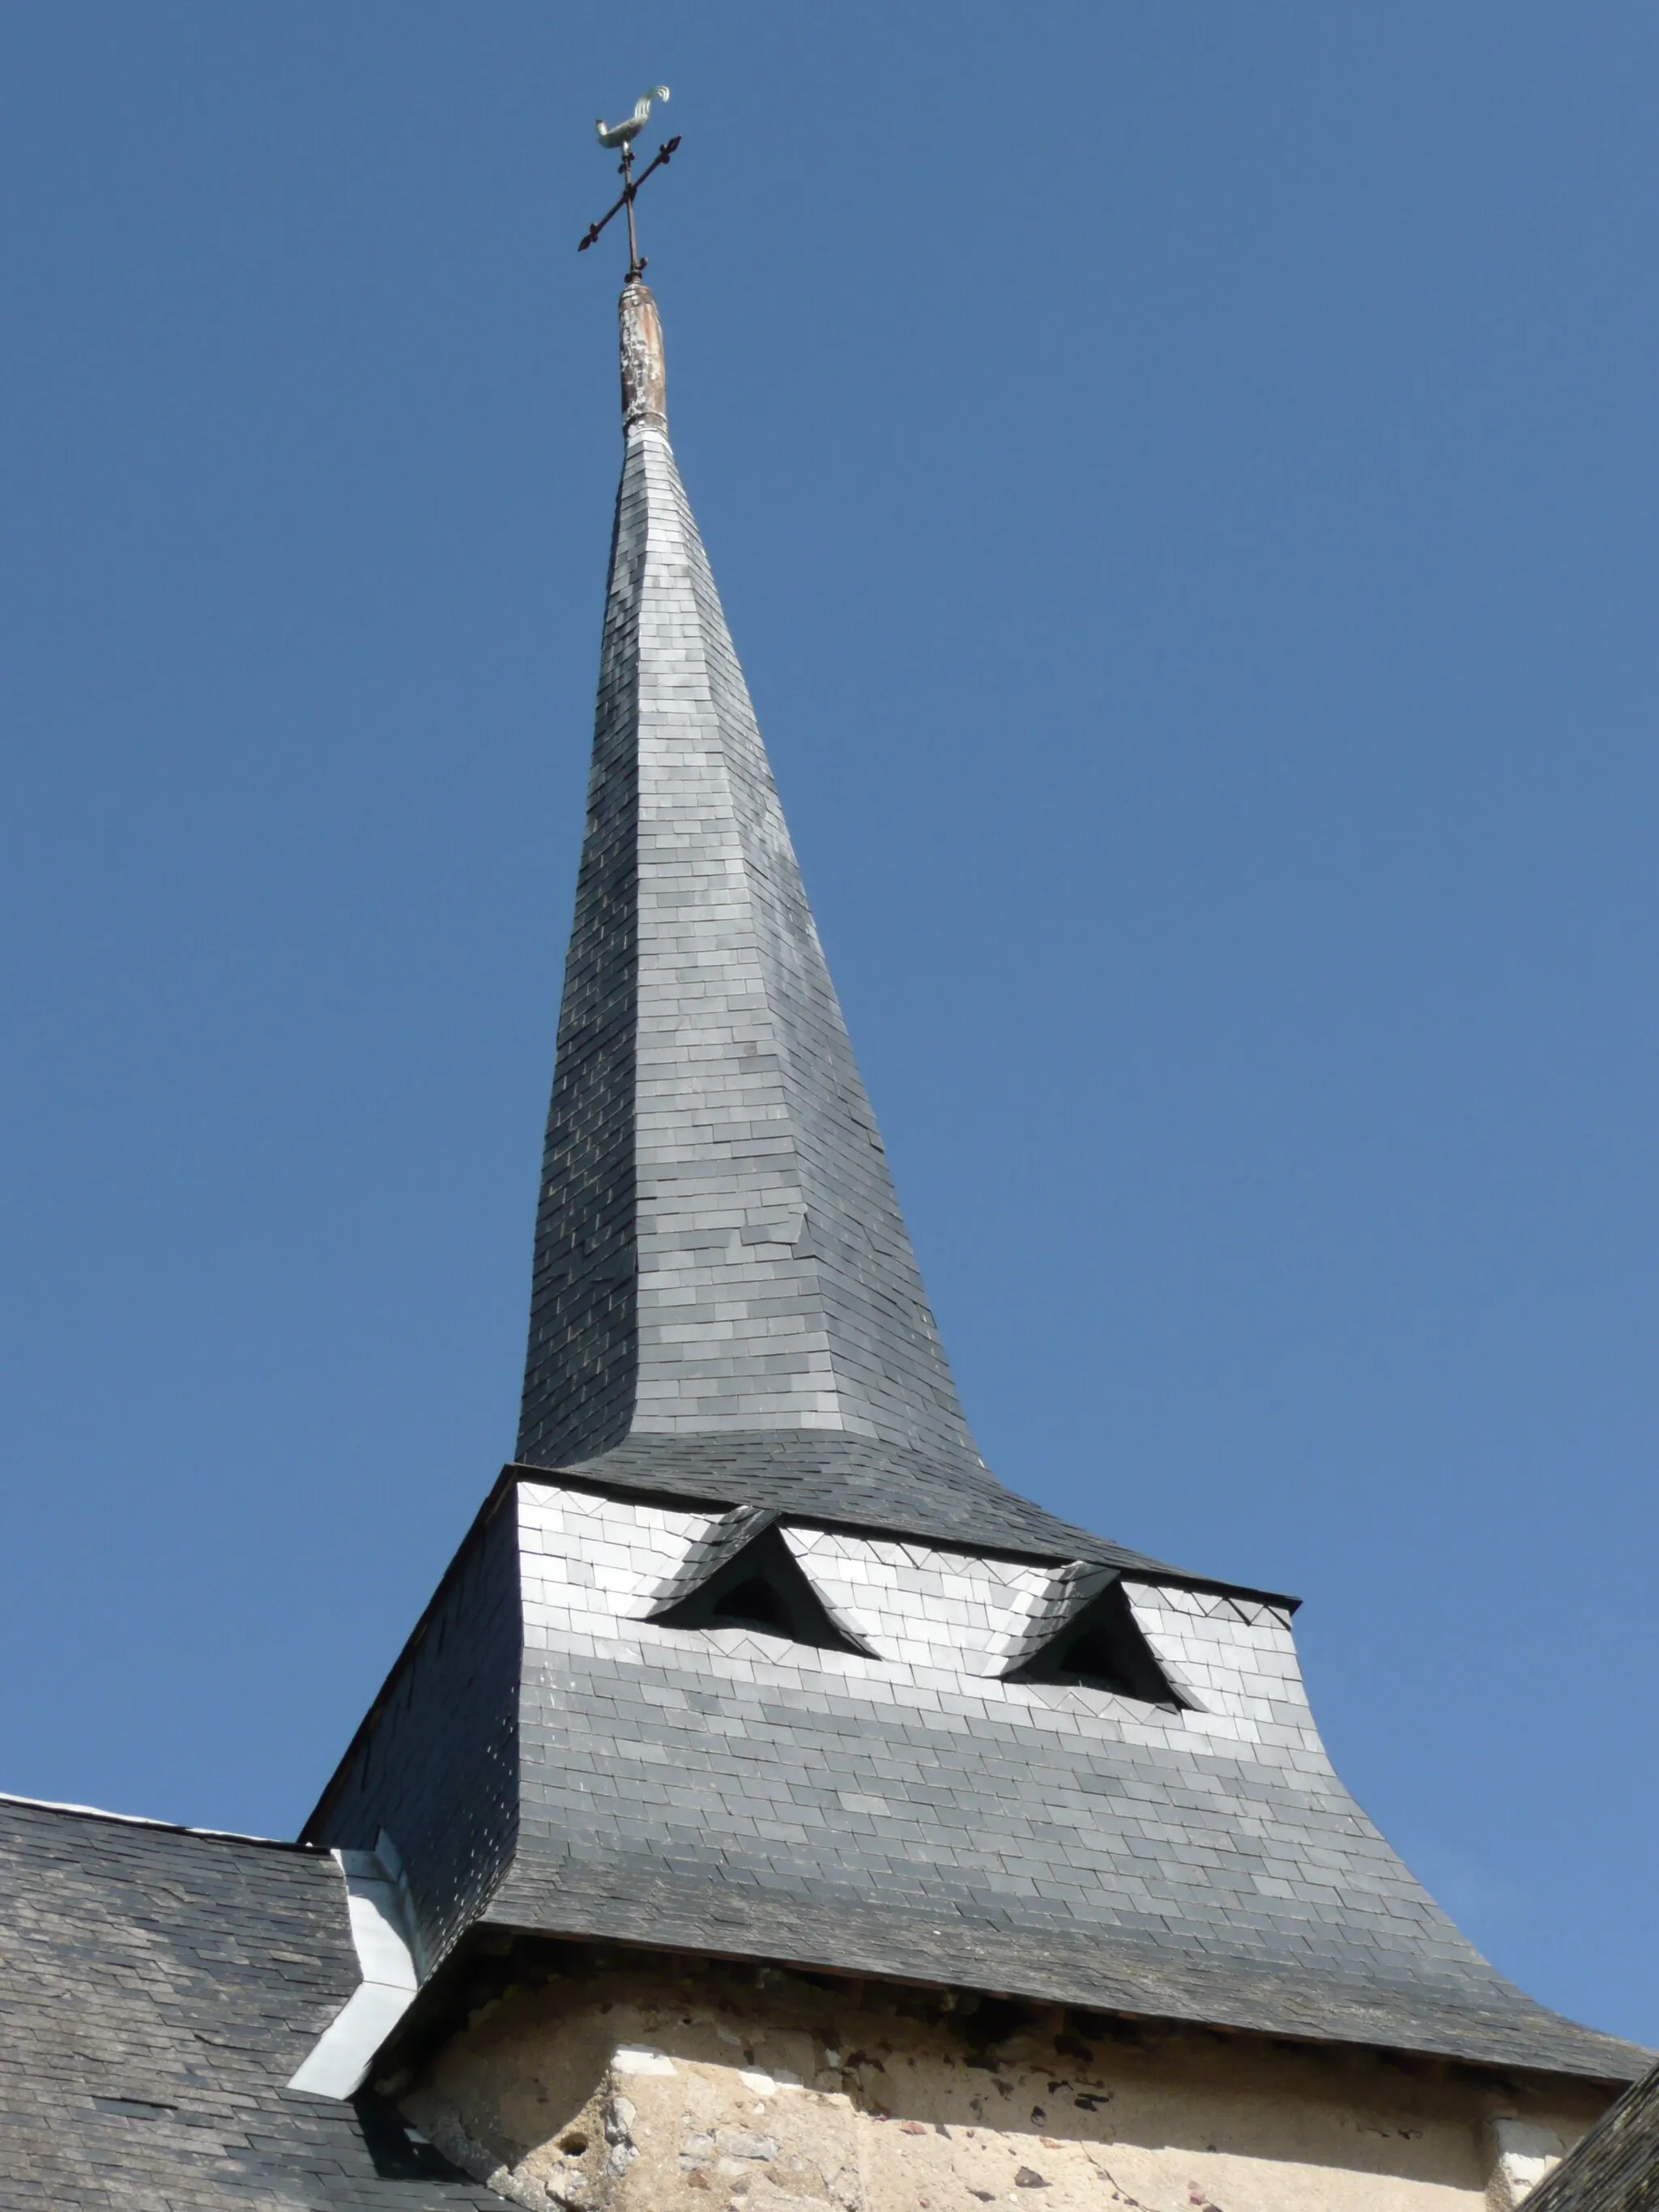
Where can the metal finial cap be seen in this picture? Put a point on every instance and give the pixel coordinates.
(644, 395)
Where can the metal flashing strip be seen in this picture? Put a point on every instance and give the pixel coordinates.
(339, 2061)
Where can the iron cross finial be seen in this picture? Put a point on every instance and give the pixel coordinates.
(613, 136)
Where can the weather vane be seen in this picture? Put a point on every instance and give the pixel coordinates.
(622, 135)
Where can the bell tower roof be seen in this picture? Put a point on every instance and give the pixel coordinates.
(749, 1655)
(724, 1292)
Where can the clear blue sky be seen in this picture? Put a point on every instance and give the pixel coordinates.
(1184, 481)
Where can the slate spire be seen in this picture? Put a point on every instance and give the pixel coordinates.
(719, 1249)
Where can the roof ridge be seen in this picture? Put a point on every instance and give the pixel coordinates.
(169, 1827)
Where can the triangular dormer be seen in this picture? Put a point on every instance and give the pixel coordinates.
(742, 1574)
(1082, 1634)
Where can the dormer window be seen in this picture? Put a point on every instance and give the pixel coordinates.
(752, 1604)
(1083, 1635)
(743, 1574)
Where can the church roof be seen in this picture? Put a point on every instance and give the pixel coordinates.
(900, 1799)
(724, 1300)
(750, 1652)
(1615, 2167)
(718, 1248)
(157, 1988)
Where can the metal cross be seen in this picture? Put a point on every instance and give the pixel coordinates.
(624, 135)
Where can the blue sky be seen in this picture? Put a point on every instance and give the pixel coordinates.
(1182, 479)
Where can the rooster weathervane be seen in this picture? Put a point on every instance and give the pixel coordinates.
(613, 136)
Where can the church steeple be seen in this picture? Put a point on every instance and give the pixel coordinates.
(718, 1248)
(750, 1656)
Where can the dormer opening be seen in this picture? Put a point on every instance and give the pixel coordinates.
(760, 1586)
(1101, 1646)
(1097, 1658)
(752, 1604)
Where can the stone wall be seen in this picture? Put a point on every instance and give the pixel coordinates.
(640, 2085)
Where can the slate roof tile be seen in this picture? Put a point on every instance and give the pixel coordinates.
(1615, 2167)
(158, 1989)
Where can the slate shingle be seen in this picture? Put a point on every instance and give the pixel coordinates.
(870, 1812)
(1615, 2167)
(157, 1989)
